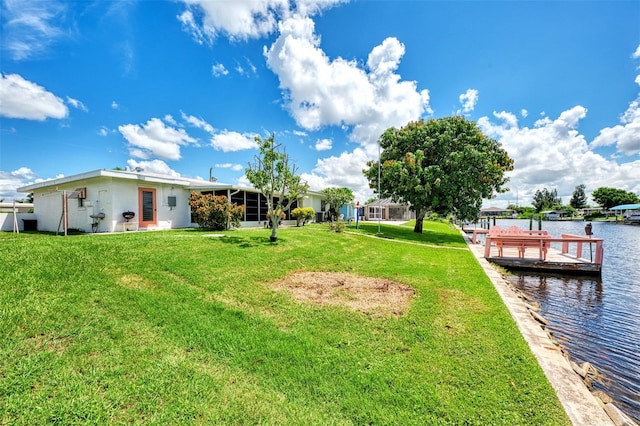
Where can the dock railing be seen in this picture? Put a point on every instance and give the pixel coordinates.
(543, 243)
(580, 241)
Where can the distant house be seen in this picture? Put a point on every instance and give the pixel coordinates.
(495, 211)
(387, 209)
(555, 214)
(99, 200)
(586, 211)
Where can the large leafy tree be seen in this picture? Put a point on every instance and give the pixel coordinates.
(275, 176)
(545, 199)
(444, 165)
(611, 197)
(578, 198)
(336, 198)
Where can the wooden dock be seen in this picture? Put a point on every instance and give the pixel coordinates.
(572, 254)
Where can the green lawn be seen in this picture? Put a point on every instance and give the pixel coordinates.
(181, 327)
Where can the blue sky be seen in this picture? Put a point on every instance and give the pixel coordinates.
(180, 87)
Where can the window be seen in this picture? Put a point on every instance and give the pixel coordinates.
(251, 207)
(80, 194)
(237, 198)
(263, 207)
(375, 212)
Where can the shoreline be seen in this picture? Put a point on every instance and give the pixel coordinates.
(581, 406)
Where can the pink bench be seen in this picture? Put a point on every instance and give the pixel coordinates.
(515, 237)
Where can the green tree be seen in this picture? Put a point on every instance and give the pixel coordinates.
(611, 197)
(215, 212)
(272, 174)
(578, 198)
(336, 198)
(444, 165)
(546, 199)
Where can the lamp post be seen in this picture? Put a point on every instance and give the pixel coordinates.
(379, 201)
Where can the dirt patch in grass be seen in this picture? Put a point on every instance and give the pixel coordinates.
(377, 296)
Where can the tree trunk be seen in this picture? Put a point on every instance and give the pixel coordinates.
(419, 218)
(274, 219)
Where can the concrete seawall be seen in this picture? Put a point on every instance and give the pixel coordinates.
(580, 405)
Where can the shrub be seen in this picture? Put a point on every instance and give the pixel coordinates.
(215, 212)
(302, 215)
(337, 225)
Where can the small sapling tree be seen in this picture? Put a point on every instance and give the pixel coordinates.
(275, 176)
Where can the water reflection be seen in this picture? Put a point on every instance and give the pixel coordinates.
(597, 319)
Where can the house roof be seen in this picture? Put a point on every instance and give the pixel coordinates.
(124, 174)
(495, 209)
(195, 184)
(626, 207)
(385, 202)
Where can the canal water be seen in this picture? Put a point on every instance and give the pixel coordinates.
(597, 319)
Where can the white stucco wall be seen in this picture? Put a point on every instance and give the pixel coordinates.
(312, 200)
(6, 220)
(123, 196)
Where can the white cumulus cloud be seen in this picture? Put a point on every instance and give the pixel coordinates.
(9, 181)
(198, 122)
(155, 138)
(323, 144)
(219, 70)
(153, 166)
(20, 98)
(344, 170)
(234, 167)
(468, 100)
(321, 91)
(625, 136)
(205, 20)
(555, 155)
(229, 141)
(77, 104)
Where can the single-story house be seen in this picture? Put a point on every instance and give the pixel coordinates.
(387, 209)
(104, 201)
(554, 214)
(586, 211)
(495, 211)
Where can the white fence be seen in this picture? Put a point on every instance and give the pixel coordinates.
(6, 220)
